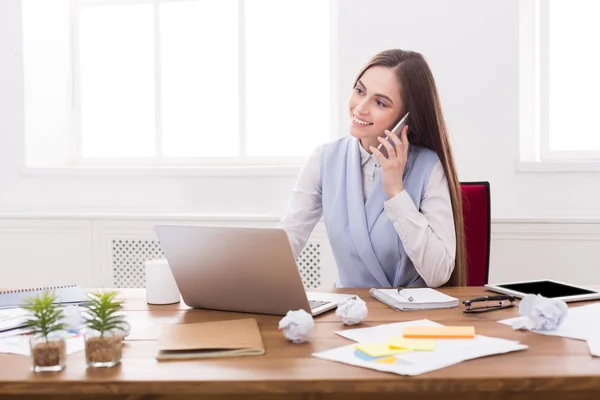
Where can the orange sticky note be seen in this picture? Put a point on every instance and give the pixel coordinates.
(439, 332)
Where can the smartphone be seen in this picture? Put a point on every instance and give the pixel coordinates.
(397, 129)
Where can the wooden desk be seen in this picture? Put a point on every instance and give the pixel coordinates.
(552, 368)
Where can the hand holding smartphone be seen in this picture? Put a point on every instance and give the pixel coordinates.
(397, 129)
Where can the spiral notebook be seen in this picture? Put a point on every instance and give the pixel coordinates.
(67, 294)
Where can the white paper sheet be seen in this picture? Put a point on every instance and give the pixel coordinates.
(381, 333)
(579, 323)
(447, 352)
(20, 345)
(15, 332)
(594, 346)
(11, 318)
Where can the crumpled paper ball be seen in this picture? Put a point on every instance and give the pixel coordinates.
(296, 325)
(540, 313)
(72, 317)
(352, 311)
(123, 330)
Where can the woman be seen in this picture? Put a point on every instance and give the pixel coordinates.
(393, 215)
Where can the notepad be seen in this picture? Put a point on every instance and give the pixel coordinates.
(439, 332)
(398, 342)
(240, 337)
(414, 299)
(68, 294)
(378, 349)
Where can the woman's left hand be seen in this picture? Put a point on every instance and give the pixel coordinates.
(393, 165)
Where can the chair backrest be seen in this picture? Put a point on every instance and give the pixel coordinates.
(477, 221)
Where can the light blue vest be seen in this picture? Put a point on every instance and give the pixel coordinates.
(366, 247)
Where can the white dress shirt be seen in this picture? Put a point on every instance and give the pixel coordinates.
(427, 234)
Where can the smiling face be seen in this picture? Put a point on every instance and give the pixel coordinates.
(375, 105)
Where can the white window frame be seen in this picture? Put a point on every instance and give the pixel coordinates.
(535, 153)
(239, 165)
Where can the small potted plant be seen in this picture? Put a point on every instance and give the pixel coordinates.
(48, 347)
(103, 341)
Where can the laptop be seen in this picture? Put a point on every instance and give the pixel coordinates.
(239, 269)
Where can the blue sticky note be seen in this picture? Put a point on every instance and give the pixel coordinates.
(366, 357)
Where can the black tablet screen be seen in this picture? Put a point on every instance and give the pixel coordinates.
(547, 289)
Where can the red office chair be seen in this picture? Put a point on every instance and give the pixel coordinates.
(476, 215)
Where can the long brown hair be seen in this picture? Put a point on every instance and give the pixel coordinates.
(427, 128)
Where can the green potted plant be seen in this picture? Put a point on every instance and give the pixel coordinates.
(103, 338)
(48, 347)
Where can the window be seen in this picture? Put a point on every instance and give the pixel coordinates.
(572, 80)
(559, 80)
(176, 81)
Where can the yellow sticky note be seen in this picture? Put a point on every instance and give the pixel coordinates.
(387, 360)
(439, 332)
(378, 349)
(412, 344)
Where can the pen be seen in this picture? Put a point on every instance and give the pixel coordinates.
(409, 298)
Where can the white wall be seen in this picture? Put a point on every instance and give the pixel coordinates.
(472, 48)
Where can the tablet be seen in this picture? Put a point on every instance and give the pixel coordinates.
(547, 288)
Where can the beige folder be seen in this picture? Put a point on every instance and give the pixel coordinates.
(240, 337)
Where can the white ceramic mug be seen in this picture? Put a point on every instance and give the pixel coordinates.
(161, 287)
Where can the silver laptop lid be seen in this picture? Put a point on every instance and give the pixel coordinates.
(234, 268)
